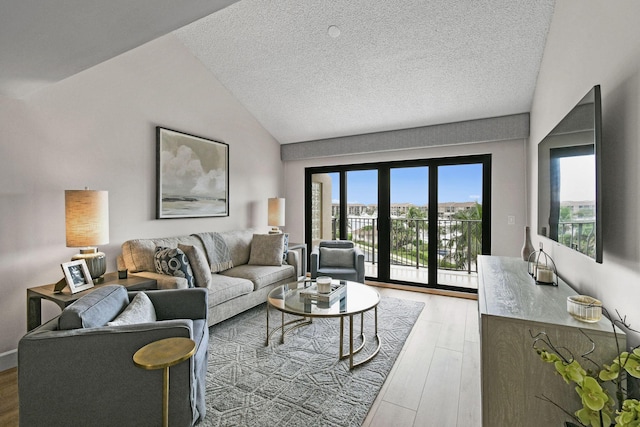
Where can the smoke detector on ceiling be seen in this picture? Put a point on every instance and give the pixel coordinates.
(333, 31)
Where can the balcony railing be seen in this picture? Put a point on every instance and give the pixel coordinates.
(579, 235)
(458, 241)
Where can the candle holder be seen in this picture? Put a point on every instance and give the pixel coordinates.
(542, 268)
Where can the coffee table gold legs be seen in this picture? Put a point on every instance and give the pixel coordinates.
(362, 336)
(297, 322)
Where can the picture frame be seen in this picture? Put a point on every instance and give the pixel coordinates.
(77, 275)
(192, 175)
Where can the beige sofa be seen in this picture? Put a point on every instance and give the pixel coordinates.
(231, 291)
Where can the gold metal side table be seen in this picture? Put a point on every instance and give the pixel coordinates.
(162, 354)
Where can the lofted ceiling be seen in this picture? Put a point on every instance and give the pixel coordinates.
(43, 42)
(306, 70)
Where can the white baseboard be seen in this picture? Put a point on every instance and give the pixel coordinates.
(8, 360)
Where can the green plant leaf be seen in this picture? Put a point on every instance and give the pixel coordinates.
(548, 357)
(629, 416)
(632, 365)
(571, 372)
(610, 372)
(592, 394)
(591, 418)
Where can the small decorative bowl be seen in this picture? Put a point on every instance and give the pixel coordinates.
(324, 284)
(584, 308)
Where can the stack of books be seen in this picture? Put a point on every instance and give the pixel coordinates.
(338, 290)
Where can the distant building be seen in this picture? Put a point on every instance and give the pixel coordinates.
(449, 209)
(400, 210)
(581, 208)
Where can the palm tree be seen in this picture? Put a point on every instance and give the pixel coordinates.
(466, 235)
(406, 236)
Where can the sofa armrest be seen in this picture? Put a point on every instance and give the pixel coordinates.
(359, 255)
(164, 281)
(90, 367)
(189, 303)
(294, 259)
(314, 260)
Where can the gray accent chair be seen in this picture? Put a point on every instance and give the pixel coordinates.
(75, 371)
(339, 259)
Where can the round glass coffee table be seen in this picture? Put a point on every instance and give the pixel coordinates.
(355, 298)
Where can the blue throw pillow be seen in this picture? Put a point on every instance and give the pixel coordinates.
(173, 262)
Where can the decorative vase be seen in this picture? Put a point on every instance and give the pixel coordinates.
(528, 248)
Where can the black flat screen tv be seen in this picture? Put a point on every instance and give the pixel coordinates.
(569, 179)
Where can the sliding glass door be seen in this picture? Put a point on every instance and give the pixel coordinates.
(409, 224)
(459, 223)
(419, 222)
(362, 215)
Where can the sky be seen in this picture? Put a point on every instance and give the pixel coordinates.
(456, 183)
(578, 178)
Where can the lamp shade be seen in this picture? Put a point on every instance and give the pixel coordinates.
(86, 217)
(276, 212)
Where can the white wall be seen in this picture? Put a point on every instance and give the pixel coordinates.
(507, 189)
(97, 129)
(597, 42)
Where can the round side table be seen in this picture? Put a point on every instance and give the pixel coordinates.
(162, 354)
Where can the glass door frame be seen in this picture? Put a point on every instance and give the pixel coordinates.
(384, 209)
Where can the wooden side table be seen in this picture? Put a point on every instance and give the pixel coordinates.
(162, 354)
(63, 299)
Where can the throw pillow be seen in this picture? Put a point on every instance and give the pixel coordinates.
(199, 265)
(285, 249)
(173, 262)
(266, 249)
(140, 310)
(336, 257)
(94, 309)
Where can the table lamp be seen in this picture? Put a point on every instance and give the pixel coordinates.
(87, 223)
(276, 214)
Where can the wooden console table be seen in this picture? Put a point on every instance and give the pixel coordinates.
(512, 307)
(63, 299)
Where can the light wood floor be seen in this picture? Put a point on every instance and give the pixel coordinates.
(9, 397)
(435, 381)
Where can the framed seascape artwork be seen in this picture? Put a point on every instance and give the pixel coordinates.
(77, 275)
(192, 176)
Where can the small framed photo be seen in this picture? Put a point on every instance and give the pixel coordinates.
(77, 275)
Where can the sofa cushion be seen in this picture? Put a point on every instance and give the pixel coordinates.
(223, 288)
(139, 310)
(334, 257)
(173, 262)
(94, 309)
(199, 264)
(262, 275)
(138, 253)
(266, 249)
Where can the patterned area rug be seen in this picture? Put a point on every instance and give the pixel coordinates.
(300, 382)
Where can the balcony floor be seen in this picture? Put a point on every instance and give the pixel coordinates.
(460, 279)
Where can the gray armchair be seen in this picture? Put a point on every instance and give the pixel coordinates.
(84, 375)
(340, 259)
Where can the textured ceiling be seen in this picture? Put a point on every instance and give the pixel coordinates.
(306, 70)
(43, 42)
(395, 64)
